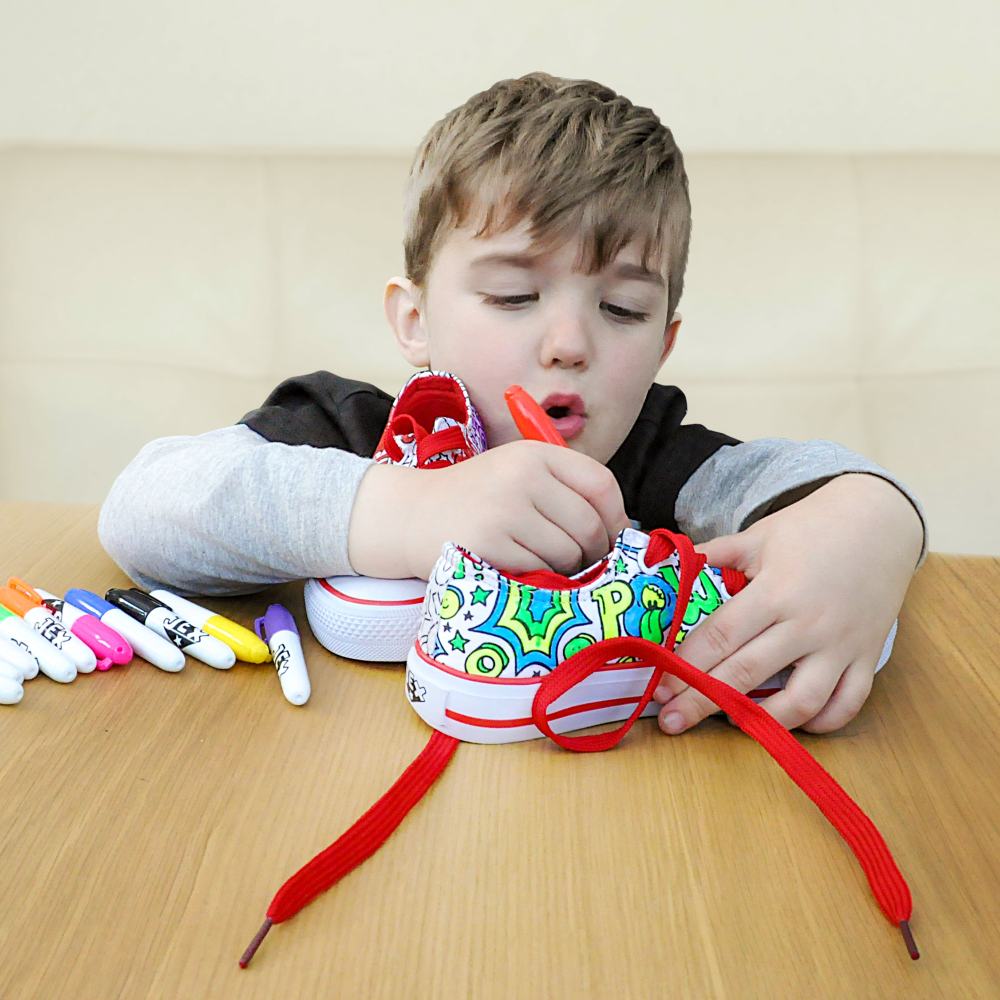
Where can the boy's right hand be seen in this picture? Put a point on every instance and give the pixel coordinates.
(522, 506)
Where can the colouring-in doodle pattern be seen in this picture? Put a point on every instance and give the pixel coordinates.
(475, 433)
(480, 622)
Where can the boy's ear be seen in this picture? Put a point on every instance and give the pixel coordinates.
(670, 336)
(403, 303)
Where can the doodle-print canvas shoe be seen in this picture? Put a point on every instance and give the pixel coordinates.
(432, 424)
(487, 639)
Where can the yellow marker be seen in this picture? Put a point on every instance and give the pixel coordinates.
(247, 646)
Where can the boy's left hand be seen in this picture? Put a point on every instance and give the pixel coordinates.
(827, 579)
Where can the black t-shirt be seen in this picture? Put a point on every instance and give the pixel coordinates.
(653, 463)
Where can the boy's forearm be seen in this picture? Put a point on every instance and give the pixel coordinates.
(228, 512)
(383, 521)
(740, 484)
(879, 497)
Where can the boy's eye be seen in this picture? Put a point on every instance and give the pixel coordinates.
(509, 300)
(619, 312)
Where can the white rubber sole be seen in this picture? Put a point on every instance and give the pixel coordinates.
(498, 709)
(362, 618)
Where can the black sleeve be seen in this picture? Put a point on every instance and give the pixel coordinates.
(652, 465)
(660, 455)
(325, 411)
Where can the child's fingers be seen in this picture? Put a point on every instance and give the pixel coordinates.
(576, 516)
(809, 689)
(848, 697)
(733, 551)
(760, 659)
(549, 542)
(595, 483)
(729, 628)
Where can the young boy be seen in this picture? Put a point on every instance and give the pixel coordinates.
(547, 224)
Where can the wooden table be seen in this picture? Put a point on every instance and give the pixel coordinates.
(148, 819)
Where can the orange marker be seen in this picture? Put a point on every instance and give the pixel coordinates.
(532, 421)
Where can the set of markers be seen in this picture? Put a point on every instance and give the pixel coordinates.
(82, 632)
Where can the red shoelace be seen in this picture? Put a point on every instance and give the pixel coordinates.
(369, 832)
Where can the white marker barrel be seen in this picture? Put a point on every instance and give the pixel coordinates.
(51, 629)
(10, 691)
(50, 661)
(152, 647)
(18, 659)
(163, 621)
(11, 672)
(191, 639)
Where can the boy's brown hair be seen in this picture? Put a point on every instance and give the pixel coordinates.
(569, 155)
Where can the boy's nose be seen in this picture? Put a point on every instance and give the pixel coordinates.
(566, 342)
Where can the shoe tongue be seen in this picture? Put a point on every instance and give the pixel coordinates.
(443, 423)
(453, 455)
(408, 434)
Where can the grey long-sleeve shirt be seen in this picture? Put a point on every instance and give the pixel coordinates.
(229, 512)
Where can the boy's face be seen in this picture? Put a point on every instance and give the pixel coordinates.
(601, 337)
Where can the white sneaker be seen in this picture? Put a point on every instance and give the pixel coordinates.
(432, 424)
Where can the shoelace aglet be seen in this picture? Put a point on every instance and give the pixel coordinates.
(911, 945)
(255, 943)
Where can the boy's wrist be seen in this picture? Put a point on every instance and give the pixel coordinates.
(878, 489)
(379, 528)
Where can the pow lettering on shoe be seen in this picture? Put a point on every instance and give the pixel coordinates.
(488, 639)
(511, 628)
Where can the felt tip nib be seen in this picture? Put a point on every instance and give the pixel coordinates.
(255, 943)
(911, 945)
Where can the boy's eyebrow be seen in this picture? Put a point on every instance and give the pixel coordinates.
(528, 262)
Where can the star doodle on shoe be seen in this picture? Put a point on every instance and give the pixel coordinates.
(414, 691)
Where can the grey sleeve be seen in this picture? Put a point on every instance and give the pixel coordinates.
(229, 512)
(740, 484)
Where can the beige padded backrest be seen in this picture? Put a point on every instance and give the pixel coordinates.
(146, 294)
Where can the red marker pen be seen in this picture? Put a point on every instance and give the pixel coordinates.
(532, 421)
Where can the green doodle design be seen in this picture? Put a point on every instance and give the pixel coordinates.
(489, 660)
(535, 635)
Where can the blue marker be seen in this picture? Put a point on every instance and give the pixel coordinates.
(144, 641)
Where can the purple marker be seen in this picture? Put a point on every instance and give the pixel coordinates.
(277, 629)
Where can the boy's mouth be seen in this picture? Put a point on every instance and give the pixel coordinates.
(567, 413)
(563, 404)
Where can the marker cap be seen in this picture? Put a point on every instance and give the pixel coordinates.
(135, 602)
(19, 596)
(277, 618)
(16, 601)
(87, 600)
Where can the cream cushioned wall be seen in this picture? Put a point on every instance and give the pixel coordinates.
(845, 297)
